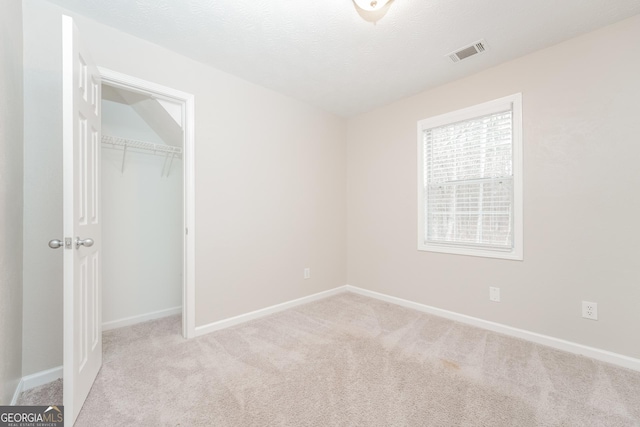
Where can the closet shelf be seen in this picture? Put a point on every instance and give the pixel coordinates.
(169, 151)
(140, 145)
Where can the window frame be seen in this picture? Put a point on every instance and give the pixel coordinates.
(515, 103)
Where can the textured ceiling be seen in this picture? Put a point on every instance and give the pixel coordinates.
(324, 53)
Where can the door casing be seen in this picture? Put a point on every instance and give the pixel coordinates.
(187, 101)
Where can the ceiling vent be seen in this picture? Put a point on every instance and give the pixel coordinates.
(467, 51)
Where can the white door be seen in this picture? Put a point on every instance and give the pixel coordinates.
(82, 230)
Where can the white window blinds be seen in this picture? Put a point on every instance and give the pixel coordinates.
(468, 182)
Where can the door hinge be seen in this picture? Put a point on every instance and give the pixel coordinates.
(186, 231)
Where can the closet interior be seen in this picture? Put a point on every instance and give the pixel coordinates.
(142, 207)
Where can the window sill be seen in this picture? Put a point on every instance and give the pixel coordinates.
(514, 254)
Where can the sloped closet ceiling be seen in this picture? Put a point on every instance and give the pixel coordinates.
(161, 116)
(324, 53)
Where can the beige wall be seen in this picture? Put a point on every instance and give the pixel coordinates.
(270, 183)
(11, 144)
(581, 106)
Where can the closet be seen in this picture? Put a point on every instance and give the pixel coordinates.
(142, 207)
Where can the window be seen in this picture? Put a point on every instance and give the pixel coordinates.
(470, 180)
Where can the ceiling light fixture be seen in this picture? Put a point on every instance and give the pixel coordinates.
(372, 10)
(371, 5)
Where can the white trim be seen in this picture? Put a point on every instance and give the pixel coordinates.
(41, 378)
(189, 264)
(132, 320)
(468, 113)
(17, 392)
(514, 103)
(557, 343)
(34, 380)
(518, 177)
(123, 81)
(236, 320)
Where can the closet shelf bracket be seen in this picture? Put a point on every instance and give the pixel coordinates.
(124, 154)
(169, 158)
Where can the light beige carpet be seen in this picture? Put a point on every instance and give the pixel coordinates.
(349, 360)
(48, 394)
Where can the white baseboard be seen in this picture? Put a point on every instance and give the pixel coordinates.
(128, 321)
(232, 321)
(557, 343)
(17, 393)
(34, 380)
(549, 341)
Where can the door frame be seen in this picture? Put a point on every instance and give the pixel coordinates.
(187, 100)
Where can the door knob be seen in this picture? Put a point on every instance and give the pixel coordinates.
(86, 242)
(55, 244)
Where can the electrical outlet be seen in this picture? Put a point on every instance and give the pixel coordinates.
(494, 294)
(590, 310)
(307, 273)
